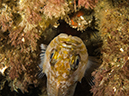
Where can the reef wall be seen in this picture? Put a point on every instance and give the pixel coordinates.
(25, 24)
(111, 78)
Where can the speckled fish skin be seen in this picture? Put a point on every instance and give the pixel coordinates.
(61, 64)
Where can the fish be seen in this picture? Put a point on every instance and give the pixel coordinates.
(64, 62)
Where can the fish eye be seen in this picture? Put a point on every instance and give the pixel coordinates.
(75, 62)
(53, 57)
(52, 54)
(77, 59)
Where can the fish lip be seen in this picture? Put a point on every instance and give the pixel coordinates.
(69, 41)
(64, 88)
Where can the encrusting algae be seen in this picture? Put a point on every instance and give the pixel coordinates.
(25, 24)
(111, 79)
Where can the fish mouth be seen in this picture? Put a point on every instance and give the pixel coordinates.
(60, 89)
(69, 41)
(66, 91)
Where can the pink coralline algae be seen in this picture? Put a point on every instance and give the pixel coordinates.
(23, 70)
(87, 3)
(24, 39)
(33, 17)
(55, 8)
(111, 78)
(6, 19)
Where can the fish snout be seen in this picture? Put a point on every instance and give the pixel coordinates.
(62, 88)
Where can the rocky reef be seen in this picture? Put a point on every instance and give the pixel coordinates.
(101, 24)
(111, 78)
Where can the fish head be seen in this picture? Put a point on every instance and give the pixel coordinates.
(66, 59)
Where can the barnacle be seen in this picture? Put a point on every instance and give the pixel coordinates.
(81, 19)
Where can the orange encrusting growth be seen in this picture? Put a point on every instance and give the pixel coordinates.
(78, 14)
